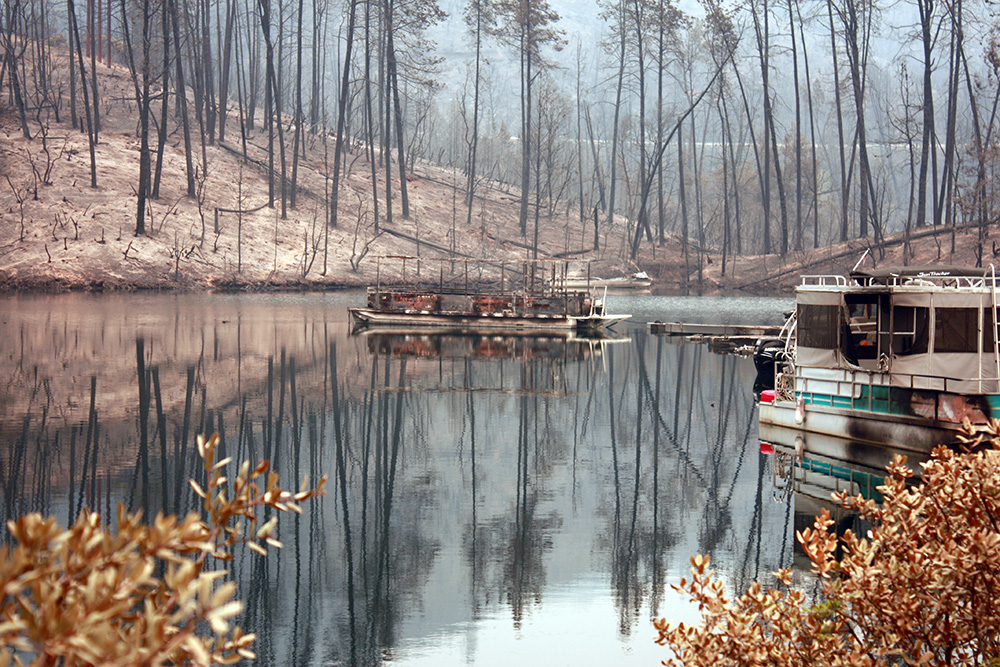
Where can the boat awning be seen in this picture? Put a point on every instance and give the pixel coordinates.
(891, 274)
(824, 298)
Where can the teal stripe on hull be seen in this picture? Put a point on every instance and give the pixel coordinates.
(828, 400)
(867, 482)
(886, 400)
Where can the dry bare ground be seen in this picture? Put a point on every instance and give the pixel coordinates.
(59, 233)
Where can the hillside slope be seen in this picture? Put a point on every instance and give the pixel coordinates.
(59, 233)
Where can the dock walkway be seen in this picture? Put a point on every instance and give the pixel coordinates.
(693, 329)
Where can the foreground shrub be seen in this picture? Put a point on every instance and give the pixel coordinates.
(921, 588)
(144, 594)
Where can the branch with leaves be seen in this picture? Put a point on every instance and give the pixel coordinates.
(922, 588)
(143, 594)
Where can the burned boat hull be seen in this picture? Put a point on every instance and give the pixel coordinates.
(495, 322)
(914, 435)
(836, 448)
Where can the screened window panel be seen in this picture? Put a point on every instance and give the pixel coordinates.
(910, 330)
(817, 326)
(956, 330)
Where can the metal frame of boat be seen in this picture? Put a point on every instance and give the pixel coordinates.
(891, 357)
(485, 296)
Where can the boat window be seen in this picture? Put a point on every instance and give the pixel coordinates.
(860, 340)
(884, 323)
(956, 330)
(817, 326)
(910, 329)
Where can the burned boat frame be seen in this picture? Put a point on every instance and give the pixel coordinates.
(893, 357)
(472, 295)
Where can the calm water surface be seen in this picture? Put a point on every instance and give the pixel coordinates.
(508, 500)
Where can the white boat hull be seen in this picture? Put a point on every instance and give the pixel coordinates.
(913, 434)
(613, 285)
(811, 444)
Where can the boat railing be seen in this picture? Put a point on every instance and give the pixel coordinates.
(954, 282)
(996, 322)
(484, 288)
(449, 275)
(823, 280)
(784, 381)
(864, 389)
(957, 282)
(948, 280)
(784, 370)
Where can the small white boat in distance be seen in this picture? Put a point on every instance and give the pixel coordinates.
(637, 282)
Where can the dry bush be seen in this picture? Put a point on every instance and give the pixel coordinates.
(143, 594)
(922, 588)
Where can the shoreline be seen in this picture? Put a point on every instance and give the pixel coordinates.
(57, 285)
(60, 285)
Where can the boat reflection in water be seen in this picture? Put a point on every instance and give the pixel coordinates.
(506, 363)
(570, 346)
(813, 467)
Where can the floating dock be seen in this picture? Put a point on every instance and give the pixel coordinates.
(732, 330)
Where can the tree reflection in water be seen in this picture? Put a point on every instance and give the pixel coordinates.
(473, 480)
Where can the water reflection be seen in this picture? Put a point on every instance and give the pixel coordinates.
(533, 501)
(809, 468)
(416, 343)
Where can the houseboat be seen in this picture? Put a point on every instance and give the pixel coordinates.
(895, 357)
(483, 295)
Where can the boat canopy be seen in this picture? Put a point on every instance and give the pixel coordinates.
(917, 336)
(894, 274)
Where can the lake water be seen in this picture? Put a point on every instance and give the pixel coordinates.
(503, 500)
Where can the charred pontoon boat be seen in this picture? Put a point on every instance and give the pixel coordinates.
(480, 295)
(891, 357)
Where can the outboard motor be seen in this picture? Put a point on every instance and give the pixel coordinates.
(767, 352)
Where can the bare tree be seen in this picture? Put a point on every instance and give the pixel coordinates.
(142, 81)
(341, 114)
(527, 25)
(91, 140)
(11, 55)
(925, 8)
(480, 20)
(844, 196)
(856, 18)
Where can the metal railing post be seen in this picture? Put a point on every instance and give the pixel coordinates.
(996, 343)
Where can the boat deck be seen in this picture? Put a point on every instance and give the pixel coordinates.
(470, 300)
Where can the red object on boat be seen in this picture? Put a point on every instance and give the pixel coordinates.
(767, 396)
(766, 448)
